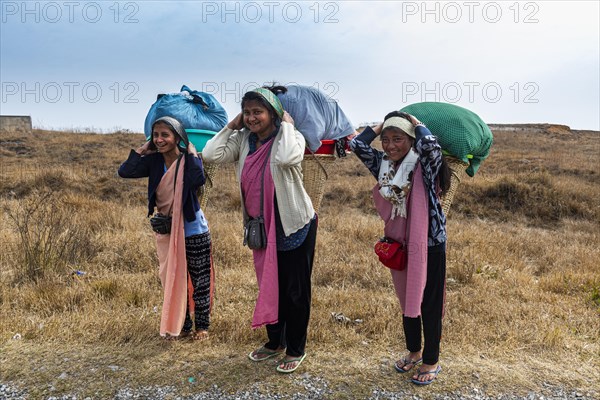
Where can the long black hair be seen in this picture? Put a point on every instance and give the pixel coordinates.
(444, 175)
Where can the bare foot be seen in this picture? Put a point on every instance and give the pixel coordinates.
(200, 335)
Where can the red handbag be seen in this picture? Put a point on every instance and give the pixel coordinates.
(391, 253)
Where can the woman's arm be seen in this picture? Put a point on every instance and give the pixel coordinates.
(361, 146)
(428, 148)
(224, 147)
(194, 169)
(135, 166)
(290, 149)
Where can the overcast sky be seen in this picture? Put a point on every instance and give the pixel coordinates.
(100, 64)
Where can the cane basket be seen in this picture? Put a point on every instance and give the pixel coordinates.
(314, 169)
(457, 173)
(210, 171)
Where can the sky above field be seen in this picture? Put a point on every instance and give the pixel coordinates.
(100, 64)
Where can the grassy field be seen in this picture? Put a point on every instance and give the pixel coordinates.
(523, 292)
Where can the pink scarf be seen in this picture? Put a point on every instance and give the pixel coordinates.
(410, 283)
(266, 311)
(173, 273)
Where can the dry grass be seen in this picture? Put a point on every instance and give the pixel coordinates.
(523, 301)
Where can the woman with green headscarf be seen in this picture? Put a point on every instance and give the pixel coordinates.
(269, 152)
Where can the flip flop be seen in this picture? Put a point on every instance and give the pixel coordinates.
(263, 354)
(435, 373)
(288, 361)
(406, 362)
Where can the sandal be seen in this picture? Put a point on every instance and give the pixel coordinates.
(434, 372)
(263, 353)
(199, 335)
(406, 362)
(171, 338)
(284, 362)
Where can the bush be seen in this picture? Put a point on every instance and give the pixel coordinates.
(50, 239)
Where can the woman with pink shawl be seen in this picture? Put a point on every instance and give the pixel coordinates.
(269, 151)
(411, 173)
(175, 173)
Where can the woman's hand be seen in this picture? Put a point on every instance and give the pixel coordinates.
(287, 118)
(237, 123)
(378, 129)
(192, 149)
(414, 120)
(145, 150)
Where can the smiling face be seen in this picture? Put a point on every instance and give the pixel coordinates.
(258, 119)
(395, 143)
(164, 139)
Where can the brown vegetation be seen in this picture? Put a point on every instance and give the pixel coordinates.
(523, 301)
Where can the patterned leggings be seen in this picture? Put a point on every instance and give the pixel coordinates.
(197, 251)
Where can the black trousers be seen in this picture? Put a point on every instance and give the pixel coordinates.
(294, 268)
(431, 309)
(197, 254)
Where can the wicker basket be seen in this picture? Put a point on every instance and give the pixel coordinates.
(457, 169)
(314, 169)
(209, 170)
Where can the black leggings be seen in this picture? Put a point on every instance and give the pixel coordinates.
(431, 309)
(197, 254)
(294, 268)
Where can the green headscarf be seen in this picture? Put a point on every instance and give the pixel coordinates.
(272, 99)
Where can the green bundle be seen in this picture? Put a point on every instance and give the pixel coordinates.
(460, 132)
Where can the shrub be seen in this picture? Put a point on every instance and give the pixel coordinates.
(50, 239)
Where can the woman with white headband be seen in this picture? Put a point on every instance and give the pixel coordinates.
(411, 174)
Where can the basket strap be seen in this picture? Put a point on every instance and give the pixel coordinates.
(318, 162)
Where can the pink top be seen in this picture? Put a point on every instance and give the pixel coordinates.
(409, 283)
(266, 310)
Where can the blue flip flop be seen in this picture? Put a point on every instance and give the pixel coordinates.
(435, 373)
(406, 362)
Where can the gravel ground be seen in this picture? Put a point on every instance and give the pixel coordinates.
(314, 388)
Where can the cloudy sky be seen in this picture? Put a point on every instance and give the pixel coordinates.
(100, 64)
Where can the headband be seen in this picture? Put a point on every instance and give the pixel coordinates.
(403, 124)
(272, 99)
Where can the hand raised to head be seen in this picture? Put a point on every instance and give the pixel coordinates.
(145, 150)
(237, 123)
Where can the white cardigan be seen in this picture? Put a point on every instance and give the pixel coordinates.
(295, 207)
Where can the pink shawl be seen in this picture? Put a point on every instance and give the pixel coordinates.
(173, 273)
(266, 311)
(410, 283)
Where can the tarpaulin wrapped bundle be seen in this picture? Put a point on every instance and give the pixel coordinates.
(201, 115)
(464, 137)
(321, 121)
(317, 116)
(194, 109)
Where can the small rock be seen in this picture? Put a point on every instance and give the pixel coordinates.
(114, 368)
(63, 376)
